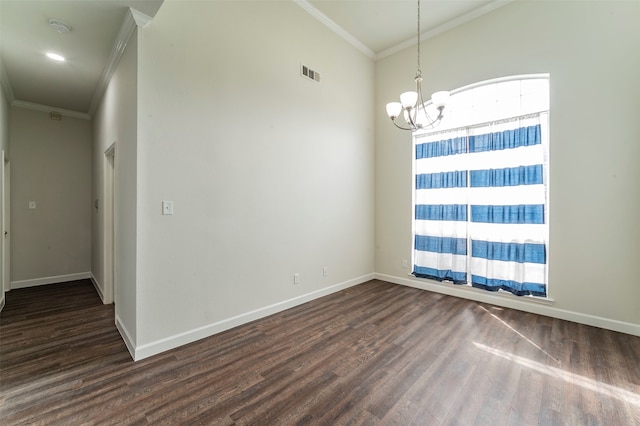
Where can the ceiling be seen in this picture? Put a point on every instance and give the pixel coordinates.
(376, 27)
(25, 36)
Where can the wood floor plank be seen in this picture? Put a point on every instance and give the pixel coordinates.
(524, 409)
(373, 354)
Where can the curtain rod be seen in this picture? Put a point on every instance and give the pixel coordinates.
(474, 126)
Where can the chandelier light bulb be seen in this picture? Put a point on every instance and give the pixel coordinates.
(394, 109)
(440, 99)
(409, 99)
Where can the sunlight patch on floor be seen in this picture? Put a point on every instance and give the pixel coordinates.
(520, 334)
(574, 379)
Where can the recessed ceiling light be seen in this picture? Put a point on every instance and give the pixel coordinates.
(59, 26)
(55, 57)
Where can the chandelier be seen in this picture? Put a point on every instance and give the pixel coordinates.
(411, 108)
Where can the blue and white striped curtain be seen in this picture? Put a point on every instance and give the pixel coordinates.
(481, 206)
(441, 208)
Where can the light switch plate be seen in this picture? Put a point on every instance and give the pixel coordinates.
(32, 205)
(167, 207)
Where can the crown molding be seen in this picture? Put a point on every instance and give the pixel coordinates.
(131, 21)
(6, 85)
(456, 22)
(47, 108)
(328, 22)
(141, 19)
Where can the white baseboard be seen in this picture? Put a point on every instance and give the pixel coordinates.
(50, 280)
(154, 348)
(535, 306)
(2, 302)
(98, 287)
(128, 341)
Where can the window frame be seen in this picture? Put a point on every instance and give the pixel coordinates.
(545, 143)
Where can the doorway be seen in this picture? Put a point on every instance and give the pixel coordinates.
(5, 247)
(109, 224)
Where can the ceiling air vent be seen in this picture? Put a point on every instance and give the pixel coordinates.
(309, 73)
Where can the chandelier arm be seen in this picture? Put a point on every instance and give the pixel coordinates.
(430, 119)
(400, 127)
(440, 115)
(413, 119)
(433, 121)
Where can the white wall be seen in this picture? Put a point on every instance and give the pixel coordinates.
(51, 165)
(270, 174)
(590, 50)
(116, 121)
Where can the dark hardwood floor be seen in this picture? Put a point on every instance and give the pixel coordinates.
(376, 353)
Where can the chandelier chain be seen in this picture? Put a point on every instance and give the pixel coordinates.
(419, 72)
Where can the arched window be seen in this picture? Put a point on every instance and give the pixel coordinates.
(481, 188)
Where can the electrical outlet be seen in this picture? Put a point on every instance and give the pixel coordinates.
(32, 205)
(325, 271)
(296, 278)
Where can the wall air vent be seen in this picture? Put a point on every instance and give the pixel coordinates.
(305, 71)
